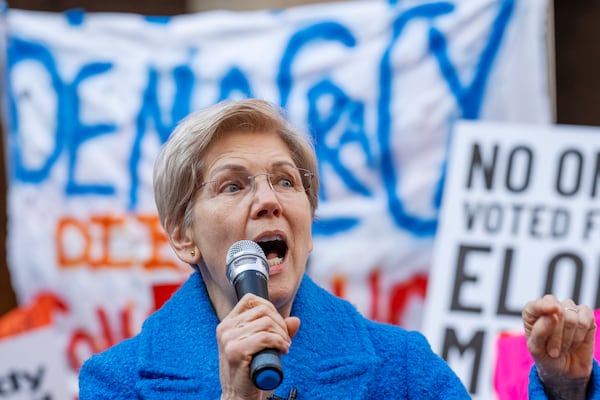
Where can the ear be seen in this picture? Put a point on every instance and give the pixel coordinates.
(183, 243)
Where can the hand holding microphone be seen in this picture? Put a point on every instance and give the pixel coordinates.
(248, 272)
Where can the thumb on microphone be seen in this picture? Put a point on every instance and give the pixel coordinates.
(292, 324)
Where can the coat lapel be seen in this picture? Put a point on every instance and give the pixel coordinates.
(332, 353)
(178, 356)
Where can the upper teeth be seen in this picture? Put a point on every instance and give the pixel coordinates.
(271, 238)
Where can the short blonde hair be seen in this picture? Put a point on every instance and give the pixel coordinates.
(178, 170)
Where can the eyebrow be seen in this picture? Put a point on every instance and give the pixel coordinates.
(240, 168)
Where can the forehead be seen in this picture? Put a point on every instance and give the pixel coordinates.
(247, 149)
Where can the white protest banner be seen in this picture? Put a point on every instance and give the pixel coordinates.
(30, 369)
(520, 218)
(91, 97)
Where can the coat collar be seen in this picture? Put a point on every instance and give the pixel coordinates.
(331, 353)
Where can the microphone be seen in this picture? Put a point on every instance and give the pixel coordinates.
(248, 272)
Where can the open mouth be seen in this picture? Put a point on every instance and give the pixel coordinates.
(275, 249)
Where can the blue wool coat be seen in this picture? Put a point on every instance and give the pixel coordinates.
(536, 389)
(336, 354)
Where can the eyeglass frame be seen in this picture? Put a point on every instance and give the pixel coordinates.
(304, 174)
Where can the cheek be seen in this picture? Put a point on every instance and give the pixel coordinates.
(304, 228)
(210, 227)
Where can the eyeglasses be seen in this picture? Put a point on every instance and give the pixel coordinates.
(237, 182)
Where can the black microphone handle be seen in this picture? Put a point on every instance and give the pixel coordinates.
(251, 281)
(266, 370)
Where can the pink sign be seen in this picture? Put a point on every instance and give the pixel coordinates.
(513, 364)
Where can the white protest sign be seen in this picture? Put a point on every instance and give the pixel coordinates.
(520, 218)
(33, 367)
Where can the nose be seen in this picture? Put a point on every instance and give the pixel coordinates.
(255, 183)
(265, 201)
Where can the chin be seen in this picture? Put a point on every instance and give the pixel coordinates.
(279, 288)
(282, 289)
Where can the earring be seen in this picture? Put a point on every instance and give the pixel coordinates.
(193, 253)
